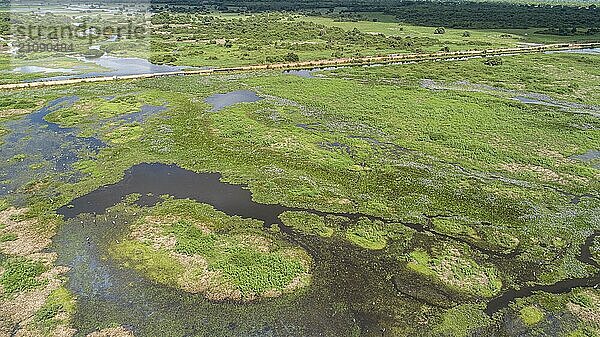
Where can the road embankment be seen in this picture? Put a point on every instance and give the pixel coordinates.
(358, 61)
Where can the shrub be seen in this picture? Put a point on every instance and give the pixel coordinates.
(291, 57)
(493, 61)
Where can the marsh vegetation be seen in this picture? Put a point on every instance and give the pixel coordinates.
(436, 199)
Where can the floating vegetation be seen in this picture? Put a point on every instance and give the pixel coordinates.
(531, 315)
(308, 223)
(367, 234)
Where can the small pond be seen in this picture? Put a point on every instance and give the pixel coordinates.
(221, 101)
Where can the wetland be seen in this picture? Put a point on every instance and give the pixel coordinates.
(452, 198)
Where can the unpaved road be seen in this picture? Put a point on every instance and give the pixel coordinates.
(400, 58)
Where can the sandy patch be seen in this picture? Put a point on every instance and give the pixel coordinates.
(196, 277)
(13, 112)
(30, 239)
(542, 172)
(339, 201)
(18, 312)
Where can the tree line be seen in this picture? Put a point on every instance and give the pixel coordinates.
(453, 14)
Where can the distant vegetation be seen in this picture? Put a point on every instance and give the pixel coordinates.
(494, 15)
(480, 14)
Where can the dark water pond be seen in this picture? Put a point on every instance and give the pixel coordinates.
(221, 101)
(159, 179)
(348, 282)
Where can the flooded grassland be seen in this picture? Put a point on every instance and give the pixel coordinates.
(355, 202)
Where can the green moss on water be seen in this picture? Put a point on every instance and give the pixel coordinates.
(367, 234)
(461, 321)
(585, 304)
(17, 103)
(18, 157)
(455, 227)
(7, 236)
(577, 311)
(156, 264)
(456, 270)
(4, 204)
(20, 274)
(420, 262)
(85, 166)
(531, 315)
(307, 223)
(496, 238)
(37, 166)
(586, 331)
(125, 134)
(94, 116)
(88, 110)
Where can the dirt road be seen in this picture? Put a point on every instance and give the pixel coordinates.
(395, 58)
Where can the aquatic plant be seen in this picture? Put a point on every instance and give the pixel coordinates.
(201, 250)
(20, 274)
(453, 269)
(57, 310)
(531, 315)
(367, 234)
(307, 223)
